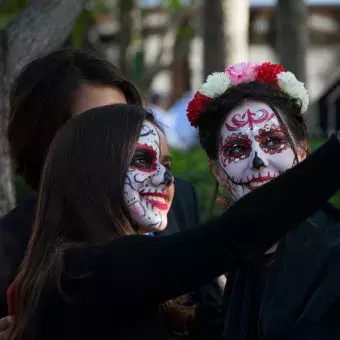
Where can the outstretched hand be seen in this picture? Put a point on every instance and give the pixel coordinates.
(6, 325)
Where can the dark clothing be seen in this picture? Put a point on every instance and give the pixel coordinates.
(302, 293)
(15, 230)
(184, 214)
(113, 290)
(296, 295)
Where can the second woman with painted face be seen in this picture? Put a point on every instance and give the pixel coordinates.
(90, 274)
(252, 128)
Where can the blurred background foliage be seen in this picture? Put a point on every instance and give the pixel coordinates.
(171, 46)
(191, 165)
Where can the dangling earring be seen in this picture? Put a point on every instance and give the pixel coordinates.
(222, 202)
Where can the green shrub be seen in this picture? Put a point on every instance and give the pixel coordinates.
(22, 190)
(193, 166)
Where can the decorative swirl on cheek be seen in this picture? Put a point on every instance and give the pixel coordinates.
(139, 178)
(137, 209)
(133, 182)
(128, 186)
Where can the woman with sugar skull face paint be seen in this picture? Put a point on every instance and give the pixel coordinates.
(147, 183)
(253, 148)
(90, 273)
(251, 125)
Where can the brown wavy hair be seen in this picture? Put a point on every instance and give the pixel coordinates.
(78, 205)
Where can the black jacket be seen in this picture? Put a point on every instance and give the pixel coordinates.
(15, 229)
(293, 295)
(184, 214)
(129, 277)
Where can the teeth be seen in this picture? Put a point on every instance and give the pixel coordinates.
(155, 198)
(257, 184)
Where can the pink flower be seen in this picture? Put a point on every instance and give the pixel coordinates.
(244, 72)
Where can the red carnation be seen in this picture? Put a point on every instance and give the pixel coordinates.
(268, 73)
(197, 105)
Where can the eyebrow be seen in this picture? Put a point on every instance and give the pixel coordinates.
(234, 138)
(145, 148)
(264, 132)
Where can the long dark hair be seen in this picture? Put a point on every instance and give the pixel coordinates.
(81, 197)
(287, 111)
(41, 102)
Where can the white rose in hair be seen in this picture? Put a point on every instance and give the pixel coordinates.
(294, 88)
(304, 101)
(216, 84)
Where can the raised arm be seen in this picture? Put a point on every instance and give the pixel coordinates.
(141, 270)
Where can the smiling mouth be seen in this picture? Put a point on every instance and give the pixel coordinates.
(157, 199)
(255, 182)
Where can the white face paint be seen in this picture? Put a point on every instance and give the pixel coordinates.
(147, 183)
(253, 148)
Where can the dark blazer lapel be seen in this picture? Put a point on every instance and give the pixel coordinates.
(294, 279)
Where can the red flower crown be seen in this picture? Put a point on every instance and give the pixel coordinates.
(245, 72)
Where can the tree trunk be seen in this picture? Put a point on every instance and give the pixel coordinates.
(236, 26)
(180, 78)
(292, 36)
(125, 35)
(39, 29)
(7, 197)
(180, 72)
(213, 37)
